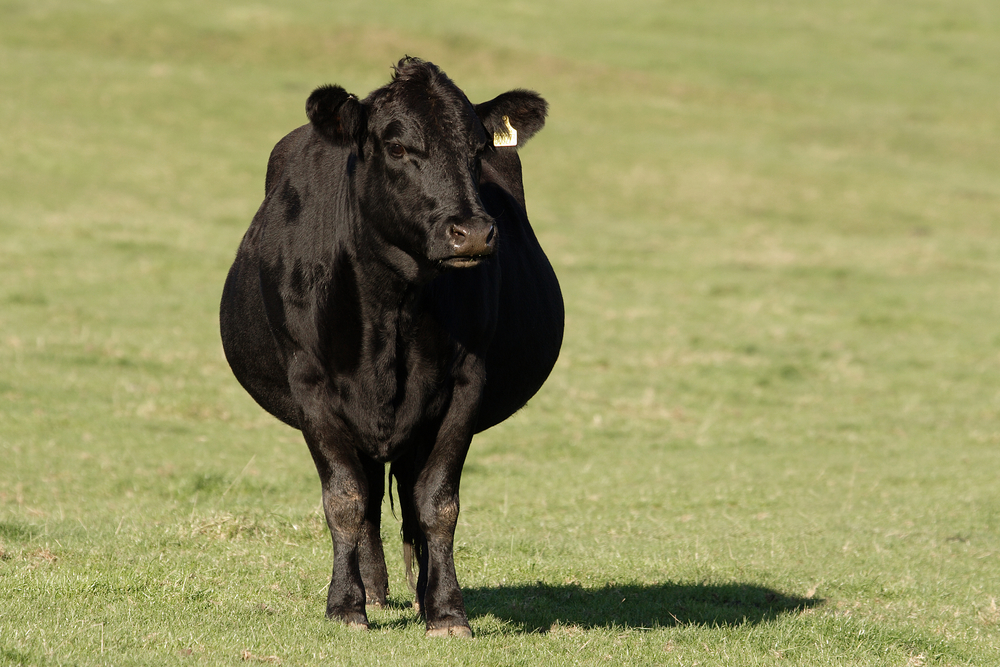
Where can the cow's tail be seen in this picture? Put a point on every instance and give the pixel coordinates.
(413, 544)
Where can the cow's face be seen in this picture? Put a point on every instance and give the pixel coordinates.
(419, 144)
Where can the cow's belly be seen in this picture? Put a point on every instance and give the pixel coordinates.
(250, 348)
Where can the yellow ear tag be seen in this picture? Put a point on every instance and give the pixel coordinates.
(506, 137)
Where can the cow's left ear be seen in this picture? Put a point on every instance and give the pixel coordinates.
(336, 114)
(524, 111)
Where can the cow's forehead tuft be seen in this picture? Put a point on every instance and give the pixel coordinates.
(423, 95)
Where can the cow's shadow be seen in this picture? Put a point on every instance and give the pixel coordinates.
(537, 607)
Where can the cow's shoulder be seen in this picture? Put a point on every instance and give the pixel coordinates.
(291, 144)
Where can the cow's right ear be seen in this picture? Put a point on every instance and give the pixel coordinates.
(336, 114)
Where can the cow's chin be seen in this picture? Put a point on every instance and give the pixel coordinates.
(463, 262)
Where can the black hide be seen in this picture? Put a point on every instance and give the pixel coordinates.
(390, 300)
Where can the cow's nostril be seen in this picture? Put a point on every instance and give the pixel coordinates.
(459, 235)
(474, 238)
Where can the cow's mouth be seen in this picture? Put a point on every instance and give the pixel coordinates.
(463, 261)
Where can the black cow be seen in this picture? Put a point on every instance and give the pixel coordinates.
(390, 300)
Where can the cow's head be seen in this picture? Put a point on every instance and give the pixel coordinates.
(418, 147)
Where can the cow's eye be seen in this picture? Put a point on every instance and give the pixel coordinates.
(396, 151)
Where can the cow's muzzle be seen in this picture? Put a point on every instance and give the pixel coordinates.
(471, 242)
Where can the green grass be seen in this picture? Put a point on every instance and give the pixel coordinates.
(773, 436)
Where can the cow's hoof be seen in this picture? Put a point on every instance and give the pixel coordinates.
(463, 631)
(354, 621)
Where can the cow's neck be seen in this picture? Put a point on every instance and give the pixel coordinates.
(389, 282)
(390, 311)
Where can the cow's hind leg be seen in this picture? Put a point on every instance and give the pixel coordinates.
(414, 544)
(370, 554)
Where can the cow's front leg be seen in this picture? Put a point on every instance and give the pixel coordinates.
(428, 498)
(436, 502)
(345, 501)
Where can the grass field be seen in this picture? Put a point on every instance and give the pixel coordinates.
(773, 436)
